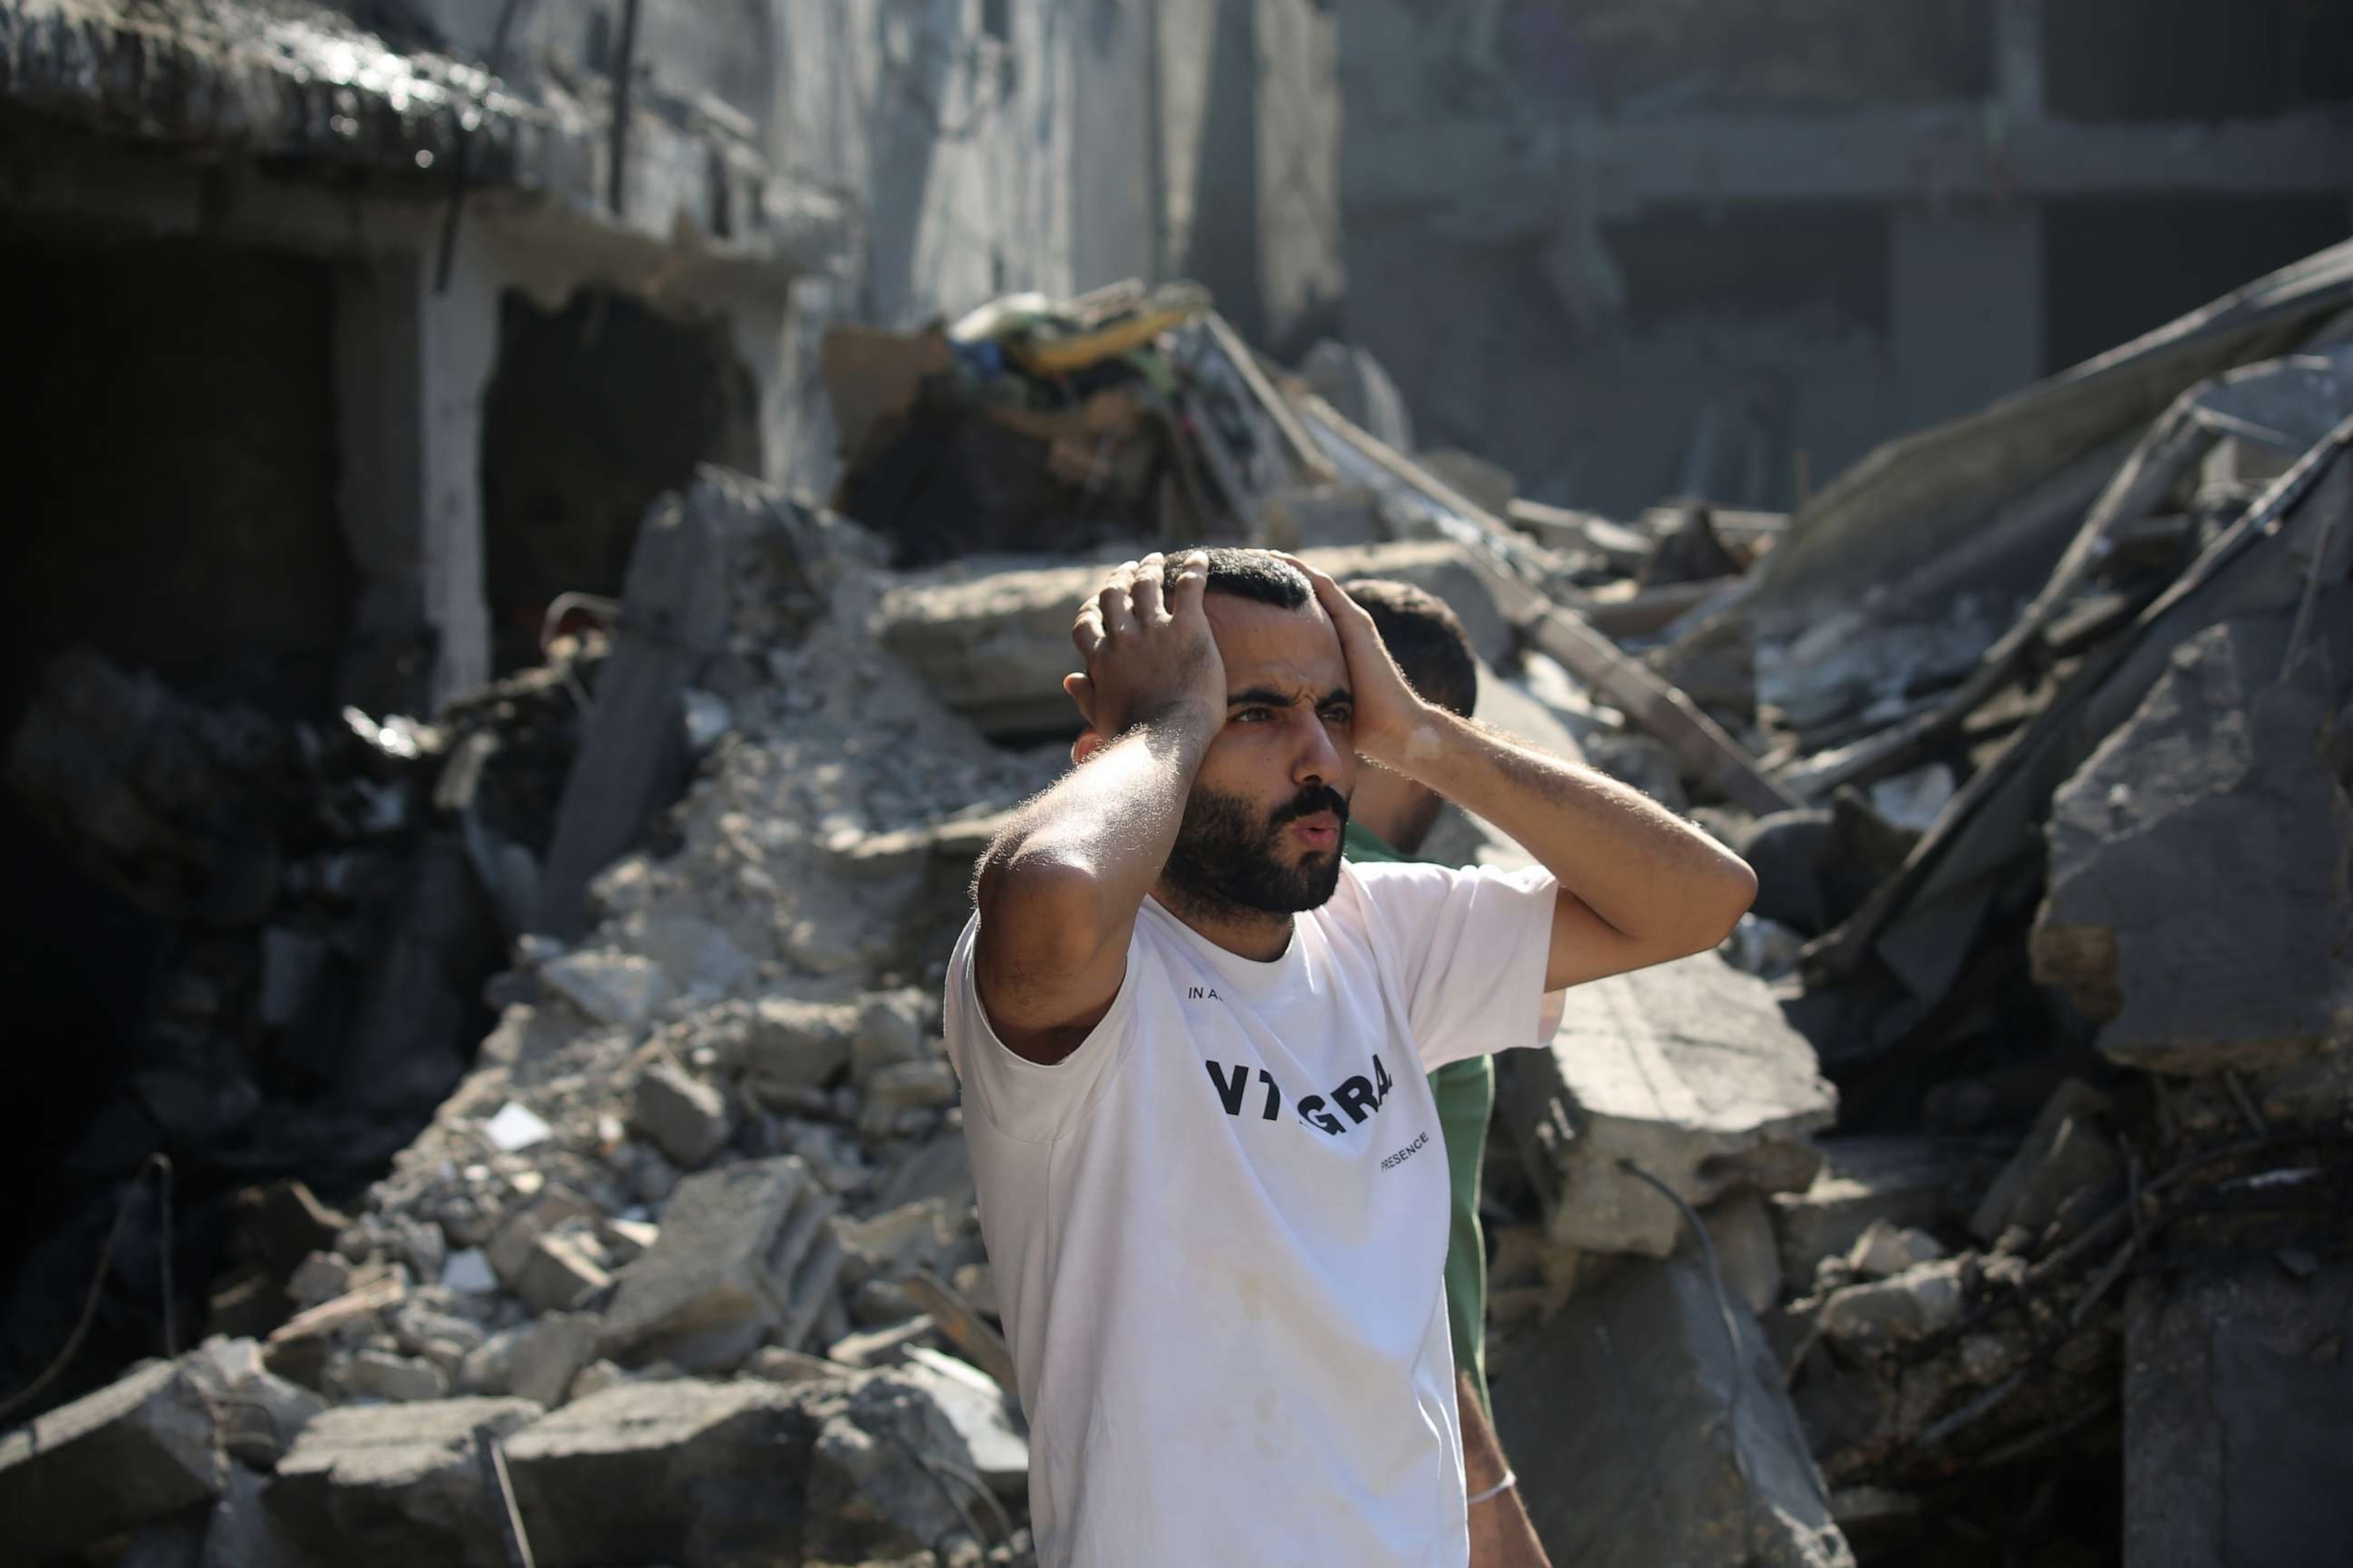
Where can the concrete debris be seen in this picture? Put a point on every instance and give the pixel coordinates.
(142, 1449)
(687, 1118)
(1676, 1449)
(2187, 912)
(390, 1483)
(1685, 1071)
(694, 1235)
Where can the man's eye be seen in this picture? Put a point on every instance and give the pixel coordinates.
(1254, 716)
(1340, 713)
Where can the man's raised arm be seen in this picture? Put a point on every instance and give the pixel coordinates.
(1638, 885)
(1060, 889)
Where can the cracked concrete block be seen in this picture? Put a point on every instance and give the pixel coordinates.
(141, 1449)
(2064, 1170)
(557, 1272)
(2191, 910)
(685, 1471)
(732, 1244)
(1688, 1070)
(547, 1353)
(395, 1484)
(687, 1118)
(1649, 1464)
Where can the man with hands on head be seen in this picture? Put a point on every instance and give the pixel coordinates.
(1193, 1040)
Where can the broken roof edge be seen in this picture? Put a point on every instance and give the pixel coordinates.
(1921, 491)
(304, 85)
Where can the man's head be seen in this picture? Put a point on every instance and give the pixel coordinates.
(1262, 829)
(1433, 652)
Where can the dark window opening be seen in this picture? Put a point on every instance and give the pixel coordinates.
(1753, 262)
(594, 411)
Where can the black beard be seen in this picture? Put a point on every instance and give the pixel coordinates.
(1224, 861)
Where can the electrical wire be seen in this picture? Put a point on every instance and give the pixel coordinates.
(162, 1165)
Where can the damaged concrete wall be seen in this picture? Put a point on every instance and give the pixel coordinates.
(1600, 193)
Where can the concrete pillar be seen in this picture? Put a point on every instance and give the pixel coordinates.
(2018, 58)
(1967, 307)
(411, 367)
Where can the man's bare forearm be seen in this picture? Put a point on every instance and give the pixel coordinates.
(1060, 889)
(1655, 886)
(1114, 819)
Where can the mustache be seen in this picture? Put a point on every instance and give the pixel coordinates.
(1314, 797)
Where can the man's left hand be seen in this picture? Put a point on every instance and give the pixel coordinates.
(1389, 714)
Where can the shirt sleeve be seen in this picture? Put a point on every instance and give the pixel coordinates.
(1469, 949)
(1019, 1098)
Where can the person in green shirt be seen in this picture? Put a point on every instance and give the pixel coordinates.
(1388, 818)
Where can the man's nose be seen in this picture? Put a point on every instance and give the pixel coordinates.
(1316, 760)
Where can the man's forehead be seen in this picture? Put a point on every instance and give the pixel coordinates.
(1264, 645)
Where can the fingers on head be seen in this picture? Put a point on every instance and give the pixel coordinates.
(1187, 578)
(1147, 593)
(1087, 630)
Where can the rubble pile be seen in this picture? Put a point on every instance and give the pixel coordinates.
(1981, 1188)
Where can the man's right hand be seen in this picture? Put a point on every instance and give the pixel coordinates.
(1148, 651)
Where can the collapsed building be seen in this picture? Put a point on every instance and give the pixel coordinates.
(1725, 248)
(1977, 1202)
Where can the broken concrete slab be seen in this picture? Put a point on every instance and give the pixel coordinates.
(1911, 1305)
(380, 1374)
(2187, 912)
(996, 648)
(2237, 1397)
(687, 1118)
(985, 1415)
(395, 1484)
(683, 1471)
(732, 1244)
(1675, 1452)
(884, 1449)
(141, 1449)
(1873, 1179)
(1688, 1071)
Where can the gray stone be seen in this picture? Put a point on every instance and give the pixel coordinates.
(985, 1415)
(2192, 910)
(2237, 1399)
(1911, 1305)
(1651, 1464)
(380, 1374)
(996, 648)
(735, 1242)
(687, 1118)
(2064, 1170)
(548, 1353)
(1884, 1250)
(870, 1494)
(511, 1246)
(395, 1484)
(882, 1347)
(1686, 1069)
(321, 1277)
(785, 1046)
(891, 1028)
(244, 1533)
(625, 988)
(1865, 1181)
(687, 1472)
(142, 1448)
(559, 1272)
(912, 1086)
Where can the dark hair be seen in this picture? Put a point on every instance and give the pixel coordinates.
(1258, 574)
(1425, 638)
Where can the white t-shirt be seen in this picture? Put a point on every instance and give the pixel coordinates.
(1218, 1228)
